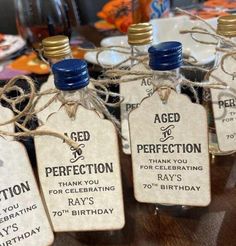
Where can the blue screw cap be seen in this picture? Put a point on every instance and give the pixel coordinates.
(165, 56)
(70, 74)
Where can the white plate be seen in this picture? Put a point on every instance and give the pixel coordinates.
(165, 29)
(110, 58)
(107, 58)
(115, 41)
(15, 43)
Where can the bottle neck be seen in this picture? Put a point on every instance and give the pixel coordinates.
(139, 50)
(55, 60)
(163, 78)
(77, 96)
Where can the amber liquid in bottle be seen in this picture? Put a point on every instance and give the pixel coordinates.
(140, 9)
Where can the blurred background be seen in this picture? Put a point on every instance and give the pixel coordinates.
(81, 11)
(85, 22)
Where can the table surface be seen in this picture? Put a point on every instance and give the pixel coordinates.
(145, 226)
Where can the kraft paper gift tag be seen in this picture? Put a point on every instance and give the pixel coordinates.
(133, 93)
(23, 220)
(82, 188)
(5, 115)
(169, 144)
(224, 107)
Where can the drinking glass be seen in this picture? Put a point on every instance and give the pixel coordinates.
(38, 19)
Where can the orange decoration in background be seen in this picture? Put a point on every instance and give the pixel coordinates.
(2, 36)
(205, 14)
(104, 25)
(123, 23)
(118, 13)
(77, 53)
(216, 8)
(227, 4)
(30, 63)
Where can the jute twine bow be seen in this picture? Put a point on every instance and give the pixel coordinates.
(119, 76)
(136, 57)
(169, 79)
(230, 45)
(133, 58)
(224, 58)
(22, 97)
(91, 101)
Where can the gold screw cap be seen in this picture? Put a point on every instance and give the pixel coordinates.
(140, 34)
(227, 26)
(56, 46)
